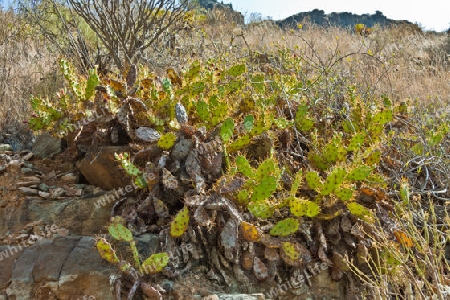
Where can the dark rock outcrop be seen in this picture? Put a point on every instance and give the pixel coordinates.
(340, 19)
(63, 268)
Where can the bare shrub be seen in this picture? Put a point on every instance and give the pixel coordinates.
(126, 28)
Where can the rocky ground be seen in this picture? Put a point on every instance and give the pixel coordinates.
(52, 209)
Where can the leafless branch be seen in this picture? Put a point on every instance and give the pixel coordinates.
(127, 27)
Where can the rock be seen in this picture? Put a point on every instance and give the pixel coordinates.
(14, 165)
(46, 146)
(76, 269)
(102, 170)
(211, 297)
(70, 192)
(5, 147)
(78, 215)
(167, 285)
(28, 191)
(181, 149)
(31, 178)
(28, 183)
(147, 134)
(148, 244)
(62, 232)
(27, 156)
(5, 157)
(44, 195)
(43, 187)
(240, 297)
(70, 178)
(8, 256)
(65, 167)
(58, 192)
(26, 171)
(28, 165)
(2, 169)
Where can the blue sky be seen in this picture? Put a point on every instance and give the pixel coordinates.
(430, 14)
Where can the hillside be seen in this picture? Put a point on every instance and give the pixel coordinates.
(342, 19)
(318, 17)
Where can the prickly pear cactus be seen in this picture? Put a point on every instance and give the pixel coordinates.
(285, 227)
(155, 263)
(180, 223)
(106, 251)
(120, 232)
(167, 141)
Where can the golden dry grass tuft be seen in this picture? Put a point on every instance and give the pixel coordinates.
(26, 67)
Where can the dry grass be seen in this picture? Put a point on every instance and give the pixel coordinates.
(25, 68)
(401, 62)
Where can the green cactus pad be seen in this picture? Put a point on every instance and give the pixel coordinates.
(238, 144)
(264, 189)
(262, 125)
(300, 208)
(140, 182)
(373, 158)
(339, 175)
(180, 224)
(167, 141)
(404, 191)
(303, 123)
(317, 160)
(296, 183)
(131, 169)
(330, 153)
(91, 83)
(283, 123)
(261, 209)
(349, 126)
(356, 142)
(125, 266)
(202, 110)
(120, 232)
(360, 173)
(265, 169)
(197, 88)
(155, 263)
(219, 111)
(345, 194)
(258, 83)
(358, 210)
(193, 71)
(106, 251)
(285, 227)
(244, 167)
(383, 117)
(243, 196)
(226, 131)
(375, 130)
(290, 251)
(249, 122)
(334, 179)
(237, 70)
(313, 180)
(135, 253)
